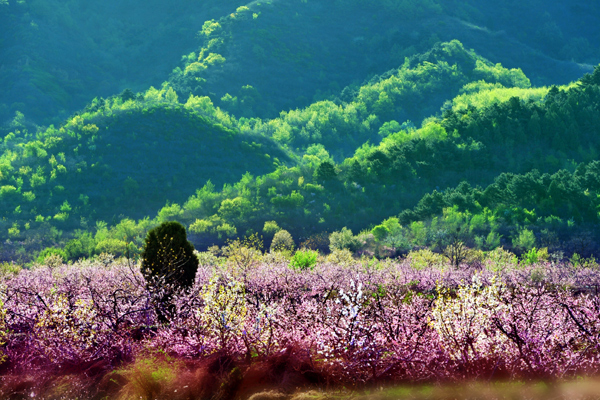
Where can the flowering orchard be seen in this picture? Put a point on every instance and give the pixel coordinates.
(360, 324)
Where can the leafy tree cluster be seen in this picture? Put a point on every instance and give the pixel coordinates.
(517, 211)
(379, 179)
(411, 92)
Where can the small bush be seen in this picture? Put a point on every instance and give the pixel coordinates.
(380, 232)
(244, 254)
(282, 241)
(52, 256)
(271, 228)
(341, 257)
(206, 258)
(344, 239)
(524, 240)
(425, 258)
(581, 262)
(9, 269)
(276, 257)
(534, 256)
(147, 378)
(304, 259)
(398, 242)
(500, 259)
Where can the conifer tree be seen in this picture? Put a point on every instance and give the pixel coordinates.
(168, 256)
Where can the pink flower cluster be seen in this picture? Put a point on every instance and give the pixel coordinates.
(363, 323)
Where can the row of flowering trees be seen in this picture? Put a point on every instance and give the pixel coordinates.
(357, 324)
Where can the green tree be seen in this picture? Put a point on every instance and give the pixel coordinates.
(304, 259)
(325, 171)
(343, 239)
(524, 240)
(380, 232)
(126, 95)
(168, 257)
(282, 241)
(591, 79)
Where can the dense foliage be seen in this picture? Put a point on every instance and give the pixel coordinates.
(288, 68)
(431, 210)
(556, 202)
(168, 257)
(106, 164)
(518, 138)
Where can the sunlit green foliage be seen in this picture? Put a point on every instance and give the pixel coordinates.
(304, 259)
(482, 94)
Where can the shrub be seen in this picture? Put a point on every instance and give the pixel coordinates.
(425, 258)
(271, 228)
(244, 253)
(53, 254)
(275, 257)
(111, 246)
(304, 259)
(500, 260)
(343, 239)
(146, 378)
(581, 262)
(524, 240)
(81, 246)
(9, 269)
(168, 256)
(398, 242)
(206, 258)
(534, 256)
(282, 241)
(341, 257)
(380, 232)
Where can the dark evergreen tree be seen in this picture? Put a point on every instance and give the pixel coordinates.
(325, 171)
(127, 94)
(591, 79)
(168, 256)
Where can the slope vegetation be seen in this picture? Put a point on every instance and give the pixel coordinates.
(272, 55)
(107, 163)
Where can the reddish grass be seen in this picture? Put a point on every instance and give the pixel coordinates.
(218, 377)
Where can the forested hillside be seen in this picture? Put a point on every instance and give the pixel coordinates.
(260, 59)
(58, 55)
(412, 124)
(55, 56)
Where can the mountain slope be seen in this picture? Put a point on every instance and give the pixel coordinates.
(58, 55)
(276, 56)
(557, 131)
(55, 56)
(107, 164)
